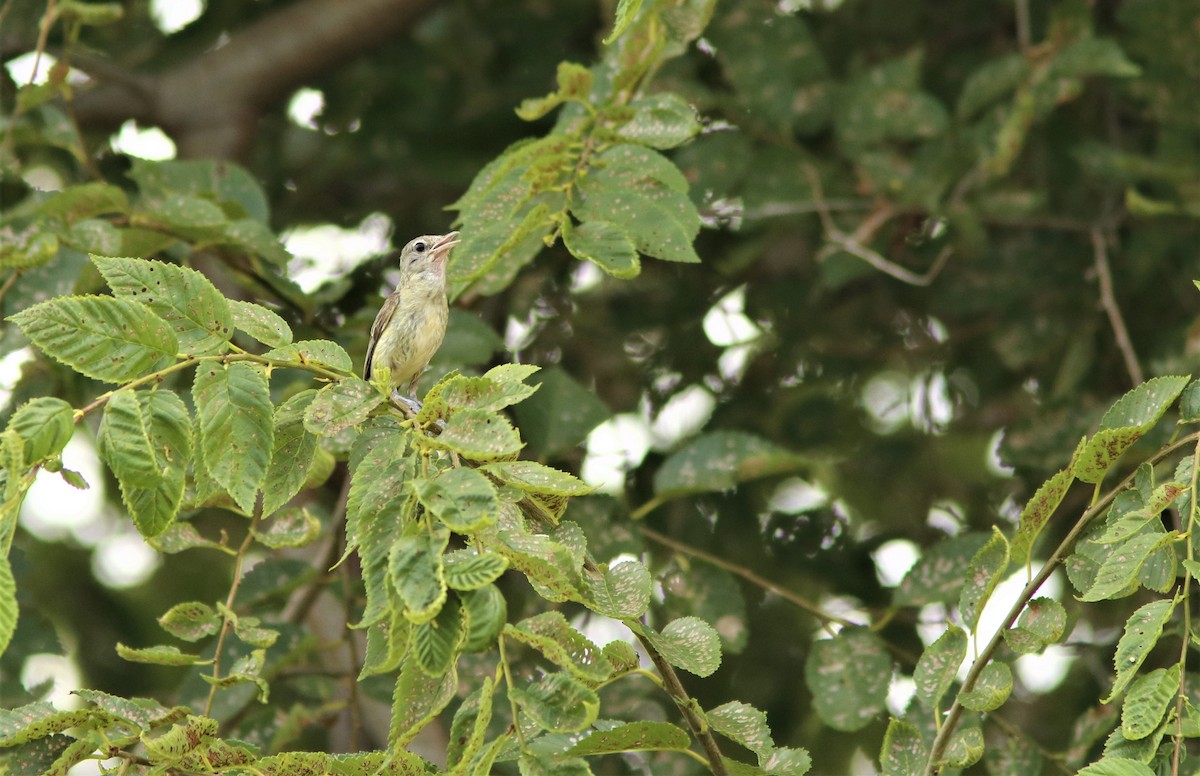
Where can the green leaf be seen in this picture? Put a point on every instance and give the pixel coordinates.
(621, 591)
(965, 748)
(260, 323)
(146, 439)
(317, 352)
(574, 84)
(604, 244)
(904, 752)
(1037, 512)
(1125, 422)
(939, 574)
(744, 724)
(688, 643)
(435, 643)
(38, 720)
(660, 219)
(479, 393)
(113, 340)
(552, 568)
(848, 676)
(161, 655)
(340, 405)
(938, 665)
(45, 424)
(992, 688)
(233, 403)
(85, 201)
(1116, 766)
(1041, 624)
(718, 461)
(1142, 630)
(633, 737)
(469, 341)
(995, 79)
(559, 703)
(785, 761)
(1092, 56)
(551, 634)
(533, 477)
(290, 528)
(415, 568)
(487, 612)
(462, 499)
(478, 435)
(190, 304)
(469, 727)
(984, 573)
(560, 415)
(417, 699)
(661, 121)
(1118, 573)
(1147, 702)
(190, 621)
(8, 604)
(184, 212)
(467, 569)
(627, 11)
(387, 645)
(293, 453)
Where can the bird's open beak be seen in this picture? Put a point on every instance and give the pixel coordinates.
(441, 248)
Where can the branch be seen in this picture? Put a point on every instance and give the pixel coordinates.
(1108, 301)
(211, 103)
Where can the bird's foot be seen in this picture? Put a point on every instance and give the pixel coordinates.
(413, 405)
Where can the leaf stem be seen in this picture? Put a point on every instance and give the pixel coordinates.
(229, 602)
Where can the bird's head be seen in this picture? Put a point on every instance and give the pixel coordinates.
(427, 252)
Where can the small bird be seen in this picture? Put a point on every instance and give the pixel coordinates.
(412, 322)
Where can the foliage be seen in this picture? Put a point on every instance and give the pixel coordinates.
(899, 230)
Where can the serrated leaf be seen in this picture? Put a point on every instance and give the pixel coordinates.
(161, 655)
(689, 643)
(534, 477)
(487, 612)
(559, 703)
(661, 121)
(1142, 630)
(467, 569)
(965, 748)
(479, 393)
(904, 752)
(551, 634)
(461, 498)
(317, 352)
(435, 643)
(744, 724)
(293, 453)
(233, 403)
(1147, 702)
(146, 439)
(1041, 624)
(190, 621)
(986, 569)
(1126, 421)
(1116, 766)
(995, 79)
(606, 245)
(8, 604)
(260, 323)
(340, 405)
(37, 720)
(190, 304)
(848, 676)
(415, 569)
(633, 737)
(478, 435)
(1119, 571)
(938, 665)
(184, 211)
(992, 688)
(46, 424)
(289, 528)
(84, 201)
(621, 591)
(720, 460)
(937, 577)
(107, 339)
(627, 11)
(574, 84)
(1037, 513)
(387, 645)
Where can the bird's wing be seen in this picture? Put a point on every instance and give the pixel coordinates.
(381, 321)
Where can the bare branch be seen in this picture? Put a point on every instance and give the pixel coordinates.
(1108, 301)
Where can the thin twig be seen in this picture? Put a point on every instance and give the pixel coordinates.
(1108, 301)
(674, 688)
(1181, 696)
(956, 709)
(229, 603)
(1024, 35)
(305, 602)
(855, 243)
(750, 576)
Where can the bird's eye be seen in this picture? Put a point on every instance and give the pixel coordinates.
(419, 247)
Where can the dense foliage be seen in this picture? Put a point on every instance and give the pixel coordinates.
(840, 278)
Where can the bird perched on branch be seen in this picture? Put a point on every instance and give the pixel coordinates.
(412, 322)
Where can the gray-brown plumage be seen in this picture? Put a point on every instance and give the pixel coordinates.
(412, 322)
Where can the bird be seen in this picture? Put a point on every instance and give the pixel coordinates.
(412, 322)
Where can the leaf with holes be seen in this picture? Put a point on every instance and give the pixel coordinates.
(237, 428)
